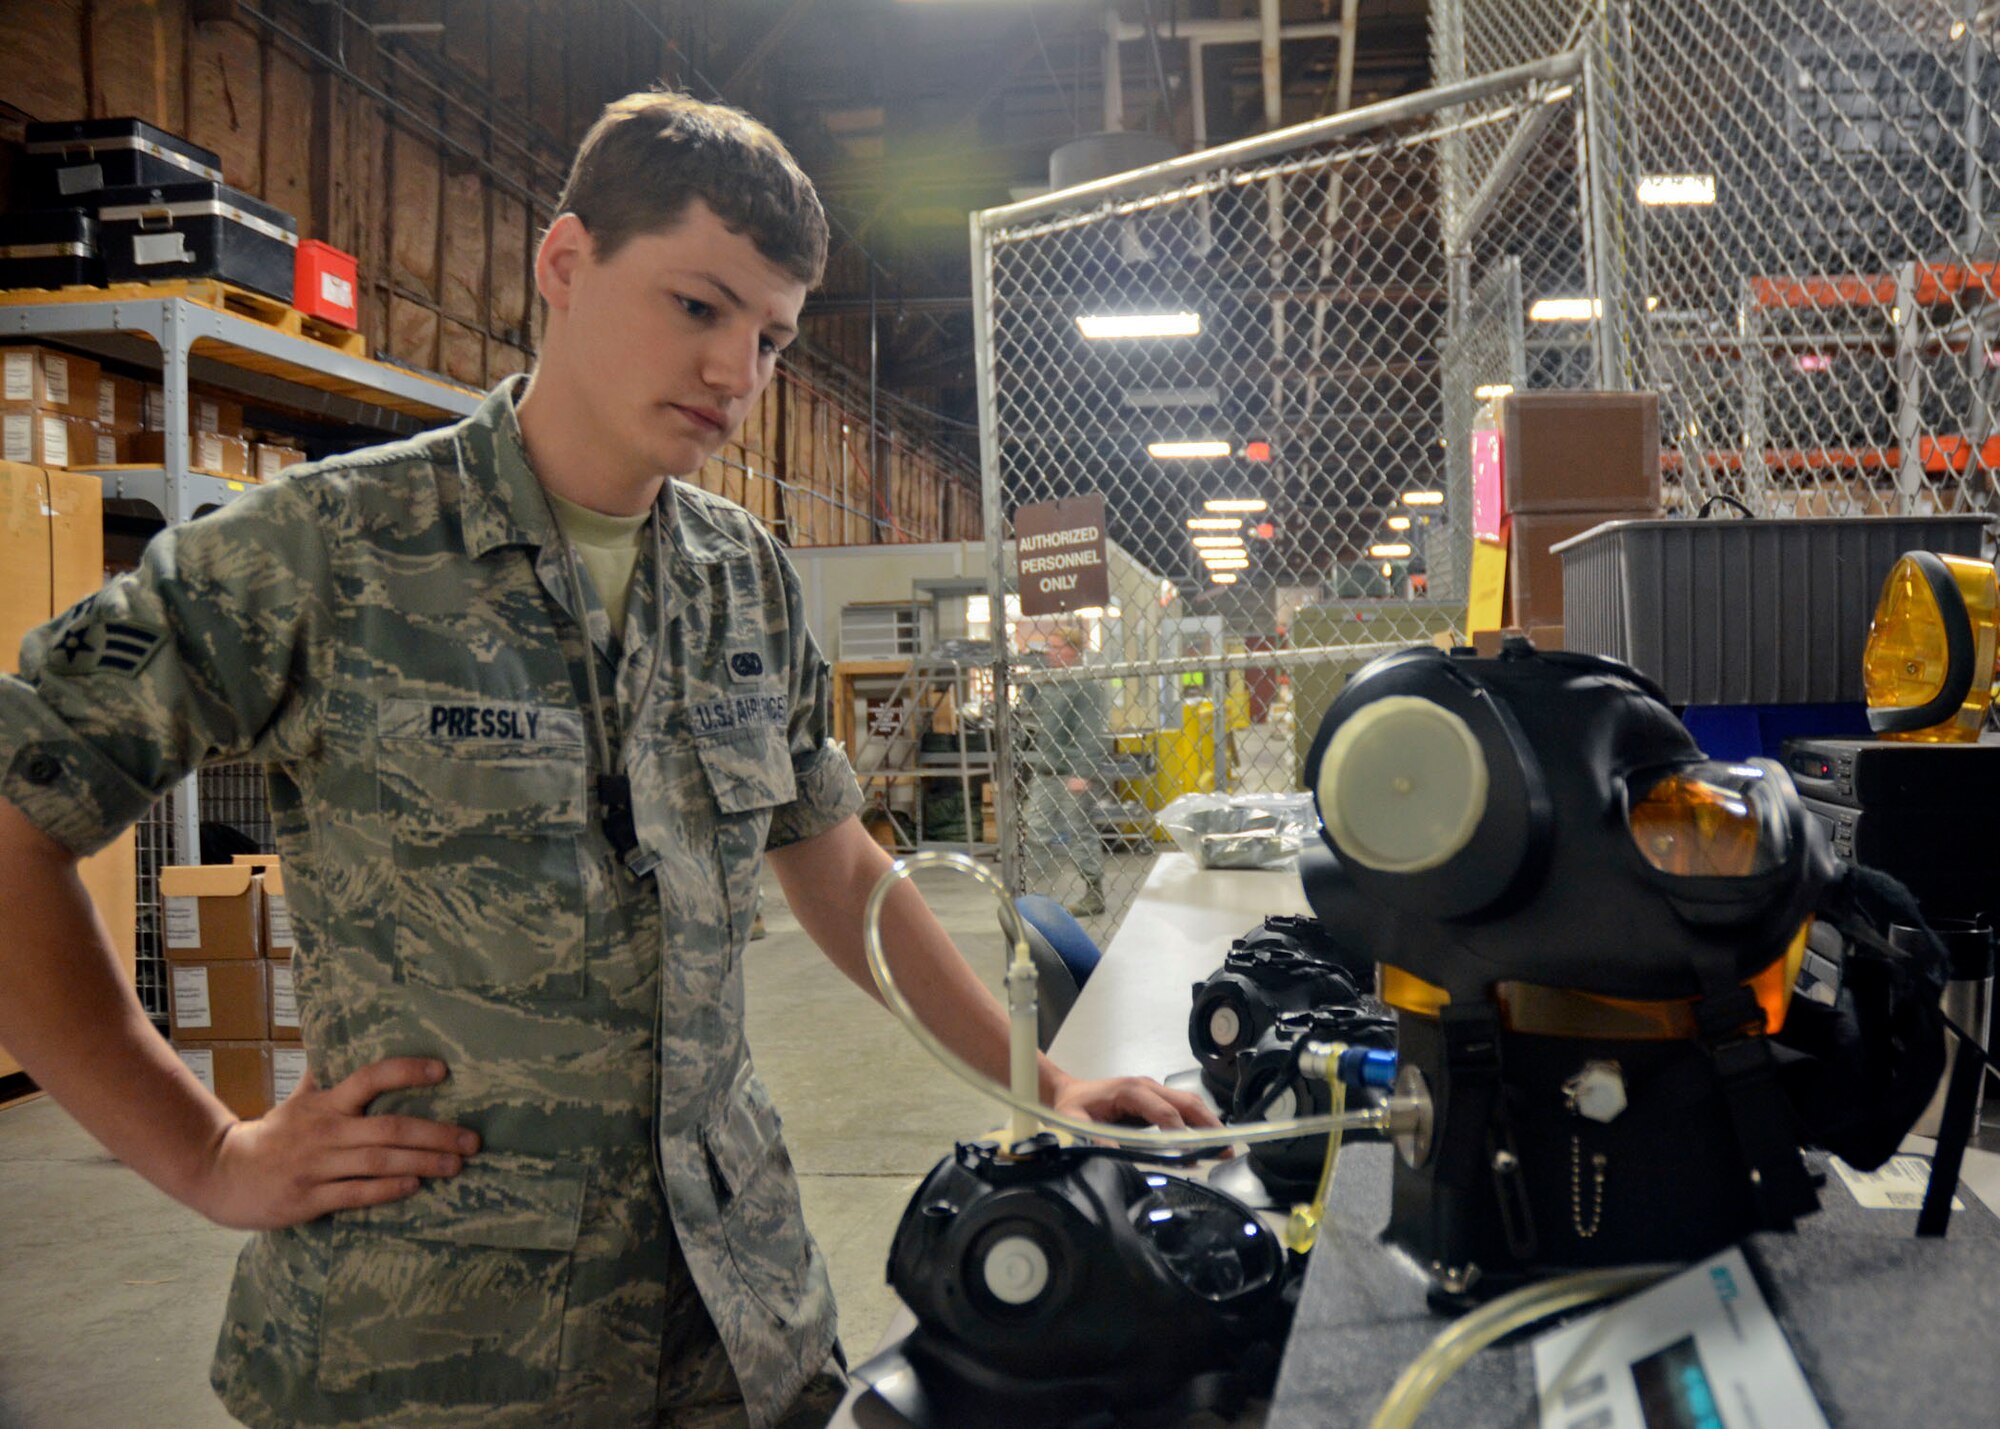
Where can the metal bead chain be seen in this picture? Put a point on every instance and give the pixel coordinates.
(1597, 1164)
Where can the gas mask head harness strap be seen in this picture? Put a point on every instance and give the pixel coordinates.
(1553, 875)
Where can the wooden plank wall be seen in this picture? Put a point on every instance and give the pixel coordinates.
(435, 160)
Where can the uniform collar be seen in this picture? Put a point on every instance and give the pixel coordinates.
(500, 497)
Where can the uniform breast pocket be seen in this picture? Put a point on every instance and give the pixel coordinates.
(749, 771)
(489, 873)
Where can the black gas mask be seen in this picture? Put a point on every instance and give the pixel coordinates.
(1272, 1086)
(1072, 1285)
(1590, 932)
(1286, 964)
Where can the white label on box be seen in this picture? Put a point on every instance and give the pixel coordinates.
(55, 377)
(267, 464)
(200, 1061)
(207, 415)
(1898, 1184)
(280, 914)
(156, 409)
(284, 1003)
(107, 402)
(80, 179)
(288, 1069)
(336, 291)
(151, 248)
(208, 451)
(191, 1007)
(17, 436)
(55, 442)
(20, 377)
(107, 449)
(183, 921)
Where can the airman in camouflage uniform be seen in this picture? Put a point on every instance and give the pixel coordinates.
(396, 636)
(532, 1177)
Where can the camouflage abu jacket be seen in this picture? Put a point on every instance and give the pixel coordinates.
(394, 635)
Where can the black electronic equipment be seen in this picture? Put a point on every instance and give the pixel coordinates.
(1879, 773)
(1942, 854)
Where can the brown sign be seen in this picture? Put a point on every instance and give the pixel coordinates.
(1059, 555)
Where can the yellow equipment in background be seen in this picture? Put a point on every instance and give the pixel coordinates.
(1929, 664)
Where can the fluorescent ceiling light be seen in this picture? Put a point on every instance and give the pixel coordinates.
(1492, 390)
(1248, 503)
(1389, 550)
(1233, 543)
(1399, 523)
(1187, 449)
(1564, 310)
(1676, 190)
(1112, 325)
(1237, 565)
(1222, 577)
(1215, 523)
(1423, 498)
(1171, 397)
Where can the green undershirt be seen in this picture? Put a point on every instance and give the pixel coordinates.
(607, 547)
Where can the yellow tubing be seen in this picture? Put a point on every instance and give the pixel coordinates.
(1470, 1334)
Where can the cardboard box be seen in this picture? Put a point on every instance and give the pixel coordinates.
(1534, 573)
(239, 1073)
(282, 1011)
(39, 437)
(288, 1069)
(207, 413)
(154, 418)
(277, 911)
(219, 1002)
(121, 403)
(53, 381)
(76, 538)
(268, 459)
(1581, 451)
(216, 455)
(211, 913)
(25, 556)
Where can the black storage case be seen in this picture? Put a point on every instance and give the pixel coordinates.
(197, 231)
(49, 248)
(70, 161)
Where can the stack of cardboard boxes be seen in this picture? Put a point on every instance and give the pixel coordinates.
(49, 410)
(51, 557)
(233, 1018)
(1570, 461)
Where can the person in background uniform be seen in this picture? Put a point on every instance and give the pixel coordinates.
(1072, 742)
(534, 713)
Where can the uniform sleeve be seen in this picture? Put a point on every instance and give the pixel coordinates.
(827, 792)
(198, 657)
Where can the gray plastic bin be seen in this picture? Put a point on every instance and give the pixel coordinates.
(1743, 612)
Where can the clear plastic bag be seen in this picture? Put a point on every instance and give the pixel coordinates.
(1240, 830)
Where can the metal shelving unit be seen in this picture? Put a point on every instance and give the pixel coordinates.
(923, 690)
(187, 341)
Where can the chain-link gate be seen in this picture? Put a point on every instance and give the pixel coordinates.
(1794, 236)
(1285, 499)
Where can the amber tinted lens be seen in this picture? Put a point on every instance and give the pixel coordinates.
(1705, 822)
(1907, 662)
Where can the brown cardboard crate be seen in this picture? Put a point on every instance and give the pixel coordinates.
(42, 436)
(211, 912)
(277, 909)
(219, 1002)
(239, 1073)
(1534, 573)
(269, 459)
(54, 381)
(282, 1011)
(121, 403)
(216, 455)
(288, 1069)
(1581, 451)
(210, 413)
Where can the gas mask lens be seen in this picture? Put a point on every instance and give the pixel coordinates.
(1711, 820)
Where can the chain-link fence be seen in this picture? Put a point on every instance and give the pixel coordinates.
(1794, 236)
(1284, 498)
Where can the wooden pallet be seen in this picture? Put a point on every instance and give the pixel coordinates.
(210, 293)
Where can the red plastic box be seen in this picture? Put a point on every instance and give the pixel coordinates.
(324, 284)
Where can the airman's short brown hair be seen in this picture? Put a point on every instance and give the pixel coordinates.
(650, 155)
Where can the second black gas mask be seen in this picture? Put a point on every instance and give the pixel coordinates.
(1589, 932)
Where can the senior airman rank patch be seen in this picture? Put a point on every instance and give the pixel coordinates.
(90, 642)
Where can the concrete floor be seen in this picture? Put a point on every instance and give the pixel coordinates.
(111, 1294)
